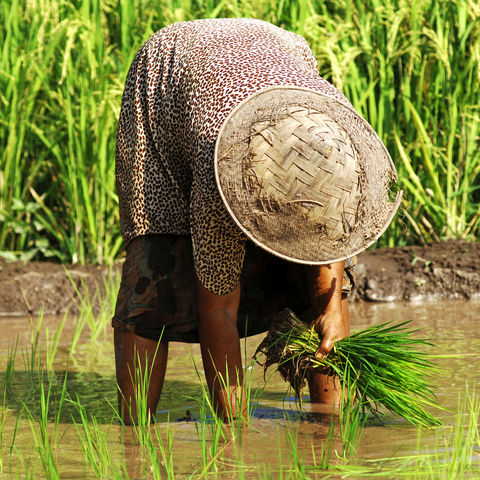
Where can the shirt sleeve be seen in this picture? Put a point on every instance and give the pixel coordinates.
(218, 244)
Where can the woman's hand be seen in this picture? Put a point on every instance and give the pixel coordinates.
(331, 328)
(330, 319)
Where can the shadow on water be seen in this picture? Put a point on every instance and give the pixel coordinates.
(97, 393)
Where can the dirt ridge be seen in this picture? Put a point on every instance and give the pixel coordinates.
(445, 270)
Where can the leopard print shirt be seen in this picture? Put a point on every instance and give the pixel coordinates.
(181, 86)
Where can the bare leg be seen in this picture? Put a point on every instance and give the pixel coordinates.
(220, 347)
(131, 350)
(325, 389)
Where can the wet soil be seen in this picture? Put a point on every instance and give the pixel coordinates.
(49, 287)
(443, 270)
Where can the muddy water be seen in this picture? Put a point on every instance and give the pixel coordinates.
(452, 326)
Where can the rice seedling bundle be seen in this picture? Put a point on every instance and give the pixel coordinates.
(380, 366)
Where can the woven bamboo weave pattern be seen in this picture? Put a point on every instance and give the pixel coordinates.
(304, 176)
(305, 160)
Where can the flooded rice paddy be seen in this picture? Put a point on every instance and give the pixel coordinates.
(58, 416)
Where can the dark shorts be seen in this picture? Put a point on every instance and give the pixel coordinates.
(157, 294)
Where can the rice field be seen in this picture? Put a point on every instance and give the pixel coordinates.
(59, 418)
(410, 67)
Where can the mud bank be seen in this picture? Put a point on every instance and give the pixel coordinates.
(444, 270)
(441, 271)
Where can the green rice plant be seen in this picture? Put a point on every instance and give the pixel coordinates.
(293, 467)
(233, 417)
(144, 422)
(10, 368)
(95, 312)
(212, 424)
(411, 69)
(94, 443)
(7, 380)
(164, 468)
(32, 356)
(379, 364)
(217, 432)
(201, 429)
(327, 449)
(45, 452)
(52, 343)
(251, 400)
(54, 395)
(296, 461)
(166, 451)
(139, 412)
(351, 420)
(454, 453)
(26, 469)
(211, 436)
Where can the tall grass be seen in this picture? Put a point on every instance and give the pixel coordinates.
(411, 68)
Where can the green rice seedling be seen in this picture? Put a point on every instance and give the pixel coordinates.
(14, 451)
(296, 461)
(10, 367)
(351, 420)
(380, 364)
(237, 418)
(95, 312)
(32, 357)
(26, 468)
(293, 467)
(8, 376)
(454, 453)
(45, 451)
(166, 450)
(326, 449)
(141, 376)
(201, 429)
(44, 443)
(52, 343)
(142, 427)
(94, 443)
(141, 380)
(212, 424)
(212, 437)
(159, 469)
(347, 425)
(251, 401)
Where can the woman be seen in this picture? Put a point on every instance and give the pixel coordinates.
(228, 133)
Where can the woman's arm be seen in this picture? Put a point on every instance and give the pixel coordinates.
(331, 320)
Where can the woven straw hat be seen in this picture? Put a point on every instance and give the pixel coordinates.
(304, 176)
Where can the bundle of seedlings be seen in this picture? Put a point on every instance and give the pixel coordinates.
(380, 365)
